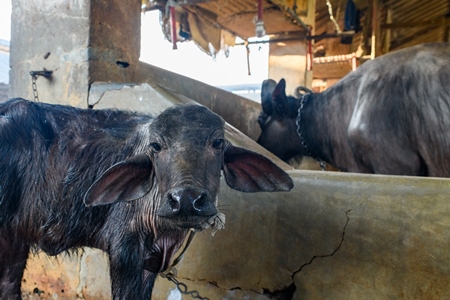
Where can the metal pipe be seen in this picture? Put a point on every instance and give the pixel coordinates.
(248, 59)
(353, 61)
(297, 38)
(259, 29)
(309, 57)
(260, 10)
(173, 27)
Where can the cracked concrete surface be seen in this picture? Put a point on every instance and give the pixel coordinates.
(330, 254)
(287, 292)
(335, 236)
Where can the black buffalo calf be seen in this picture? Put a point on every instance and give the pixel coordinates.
(390, 116)
(129, 184)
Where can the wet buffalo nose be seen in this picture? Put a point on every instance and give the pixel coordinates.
(188, 200)
(174, 201)
(199, 203)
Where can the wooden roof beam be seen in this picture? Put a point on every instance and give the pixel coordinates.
(427, 23)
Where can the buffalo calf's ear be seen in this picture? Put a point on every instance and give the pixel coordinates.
(125, 181)
(250, 172)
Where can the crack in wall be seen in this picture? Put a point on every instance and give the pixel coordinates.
(188, 291)
(183, 287)
(330, 254)
(288, 292)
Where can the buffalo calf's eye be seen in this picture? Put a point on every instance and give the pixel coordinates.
(218, 143)
(155, 147)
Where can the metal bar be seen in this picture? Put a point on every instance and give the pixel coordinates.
(354, 61)
(260, 10)
(173, 27)
(298, 38)
(44, 73)
(309, 57)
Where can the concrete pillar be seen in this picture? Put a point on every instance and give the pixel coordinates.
(288, 59)
(81, 41)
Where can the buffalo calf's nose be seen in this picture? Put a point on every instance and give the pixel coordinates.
(174, 201)
(199, 203)
(188, 200)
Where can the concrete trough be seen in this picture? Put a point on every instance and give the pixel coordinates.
(334, 236)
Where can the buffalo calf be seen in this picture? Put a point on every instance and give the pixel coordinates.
(126, 183)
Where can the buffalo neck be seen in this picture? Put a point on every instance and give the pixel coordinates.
(323, 124)
(304, 99)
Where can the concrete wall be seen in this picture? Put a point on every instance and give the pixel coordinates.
(81, 41)
(40, 39)
(288, 60)
(240, 112)
(335, 236)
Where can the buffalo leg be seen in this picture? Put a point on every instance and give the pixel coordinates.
(125, 288)
(129, 279)
(13, 259)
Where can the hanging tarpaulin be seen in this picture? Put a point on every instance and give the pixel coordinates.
(203, 33)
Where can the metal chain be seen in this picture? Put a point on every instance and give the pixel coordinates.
(33, 84)
(172, 272)
(181, 286)
(304, 98)
(34, 74)
(299, 116)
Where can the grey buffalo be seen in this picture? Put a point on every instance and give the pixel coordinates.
(390, 116)
(129, 184)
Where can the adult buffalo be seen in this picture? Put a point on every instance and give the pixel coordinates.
(129, 184)
(390, 116)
